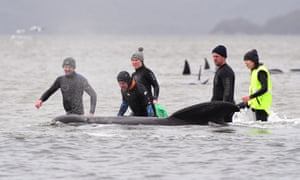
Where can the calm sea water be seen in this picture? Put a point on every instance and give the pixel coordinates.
(31, 148)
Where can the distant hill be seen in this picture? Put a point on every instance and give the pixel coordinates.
(287, 24)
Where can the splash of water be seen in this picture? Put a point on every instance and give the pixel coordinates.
(246, 117)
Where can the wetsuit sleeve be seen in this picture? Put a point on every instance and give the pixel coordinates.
(123, 108)
(263, 79)
(155, 85)
(228, 84)
(55, 86)
(93, 96)
(150, 112)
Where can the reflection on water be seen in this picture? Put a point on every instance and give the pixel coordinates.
(258, 131)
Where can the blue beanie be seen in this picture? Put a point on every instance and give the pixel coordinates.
(220, 50)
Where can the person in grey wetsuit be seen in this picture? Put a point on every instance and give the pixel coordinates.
(72, 86)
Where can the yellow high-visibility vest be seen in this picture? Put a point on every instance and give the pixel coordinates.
(264, 101)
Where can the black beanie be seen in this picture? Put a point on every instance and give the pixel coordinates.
(220, 50)
(125, 77)
(252, 56)
(69, 62)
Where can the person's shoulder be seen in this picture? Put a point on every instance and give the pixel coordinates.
(225, 70)
(226, 65)
(60, 77)
(150, 74)
(81, 78)
(228, 68)
(149, 70)
(262, 66)
(262, 69)
(78, 75)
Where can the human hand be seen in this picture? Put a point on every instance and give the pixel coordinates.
(38, 104)
(90, 114)
(246, 98)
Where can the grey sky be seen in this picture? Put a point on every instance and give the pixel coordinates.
(135, 16)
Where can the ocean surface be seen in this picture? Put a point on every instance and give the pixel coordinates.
(32, 148)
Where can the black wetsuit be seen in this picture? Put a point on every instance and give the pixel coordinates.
(147, 78)
(223, 89)
(138, 100)
(72, 88)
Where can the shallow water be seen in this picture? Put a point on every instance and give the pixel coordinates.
(31, 148)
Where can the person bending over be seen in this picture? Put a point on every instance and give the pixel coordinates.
(134, 95)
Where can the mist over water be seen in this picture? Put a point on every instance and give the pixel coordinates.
(135, 16)
(31, 148)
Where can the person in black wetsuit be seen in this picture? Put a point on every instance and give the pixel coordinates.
(72, 86)
(145, 76)
(134, 95)
(223, 88)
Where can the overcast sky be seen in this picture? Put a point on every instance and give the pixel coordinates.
(135, 16)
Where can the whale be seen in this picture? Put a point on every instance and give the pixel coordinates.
(295, 70)
(275, 71)
(198, 114)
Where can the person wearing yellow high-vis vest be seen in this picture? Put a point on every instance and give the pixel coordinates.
(260, 90)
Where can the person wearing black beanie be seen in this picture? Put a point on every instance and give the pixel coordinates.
(134, 95)
(221, 50)
(260, 90)
(223, 88)
(252, 56)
